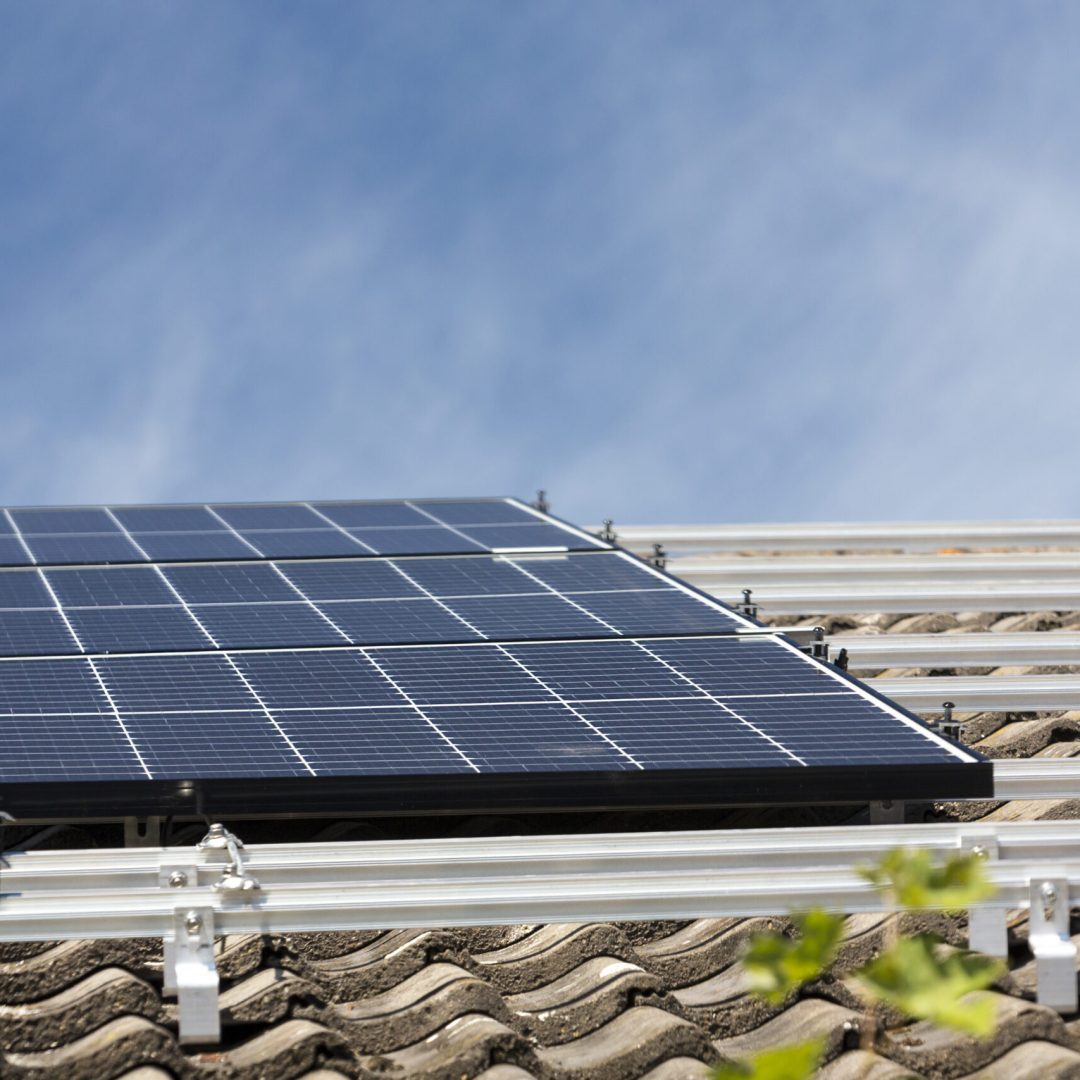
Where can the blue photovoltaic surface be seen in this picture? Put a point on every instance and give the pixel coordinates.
(422, 541)
(177, 746)
(58, 748)
(179, 546)
(311, 666)
(537, 736)
(139, 519)
(515, 617)
(357, 580)
(361, 742)
(63, 521)
(304, 543)
(109, 586)
(239, 626)
(230, 583)
(386, 621)
(316, 680)
(23, 589)
(34, 633)
(83, 548)
(13, 553)
(475, 512)
(135, 629)
(364, 515)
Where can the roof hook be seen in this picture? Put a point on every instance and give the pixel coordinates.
(658, 557)
(541, 502)
(607, 533)
(747, 607)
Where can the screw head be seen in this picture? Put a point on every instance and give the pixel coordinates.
(177, 879)
(193, 923)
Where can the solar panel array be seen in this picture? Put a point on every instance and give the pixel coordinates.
(555, 661)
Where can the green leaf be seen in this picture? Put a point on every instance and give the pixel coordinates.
(915, 883)
(914, 978)
(796, 1062)
(777, 965)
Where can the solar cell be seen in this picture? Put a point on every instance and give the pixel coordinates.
(239, 626)
(528, 737)
(23, 589)
(138, 519)
(37, 687)
(587, 572)
(359, 580)
(211, 583)
(143, 684)
(472, 675)
(316, 679)
(34, 633)
(515, 537)
(304, 543)
(64, 521)
(476, 511)
(362, 515)
(12, 552)
(109, 586)
(369, 622)
(194, 545)
(472, 576)
(511, 618)
(135, 629)
(83, 548)
(240, 744)
(659, 611)
(38, 749)
(415, 541)
(281, 516)
(667, 734)
(362, 742)
(604, 670)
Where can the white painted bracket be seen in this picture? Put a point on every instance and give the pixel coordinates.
(988, 932)
(173, 877)
(1048, 936)
(194, 975)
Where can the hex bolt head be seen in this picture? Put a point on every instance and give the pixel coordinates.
(1048, 892)
(193, 922)
(177, 879)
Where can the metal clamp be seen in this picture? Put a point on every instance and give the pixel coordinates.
(658, 557)
(747, 607)
(607, 533)
(234, 879)
(1048, 937)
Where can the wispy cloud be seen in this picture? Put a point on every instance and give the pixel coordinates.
(669, 261)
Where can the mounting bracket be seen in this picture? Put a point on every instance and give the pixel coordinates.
(1048, 937)
(193, 974)
(987, 929)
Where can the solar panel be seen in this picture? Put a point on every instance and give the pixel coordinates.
(391, 656)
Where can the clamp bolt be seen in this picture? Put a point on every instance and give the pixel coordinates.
(193, 923)
(177, 879)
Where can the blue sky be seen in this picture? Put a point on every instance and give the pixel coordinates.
(671, 261)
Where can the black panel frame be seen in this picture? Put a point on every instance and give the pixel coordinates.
(487, 793)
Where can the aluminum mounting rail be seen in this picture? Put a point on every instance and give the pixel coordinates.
(1037, 778)
(984, 693)
(874, 652)
(871, 569)
(187, 896)
(902, 597)
(822, 536)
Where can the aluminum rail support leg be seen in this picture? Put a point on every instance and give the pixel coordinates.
(988, 931)
(1048, 936)
(191, 973)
